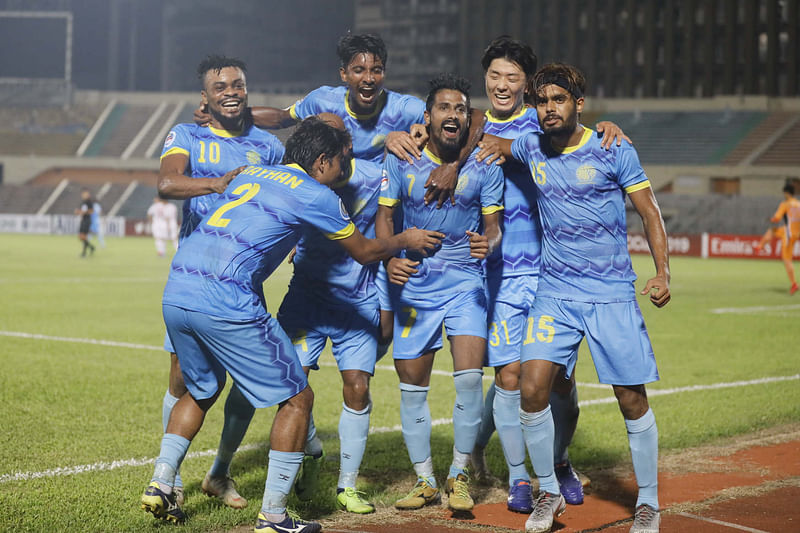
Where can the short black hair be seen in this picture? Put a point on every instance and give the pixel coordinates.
(311, 138)
(368, 43)
(217, 63)
(513, 50)
(789, 188)
(446, 80)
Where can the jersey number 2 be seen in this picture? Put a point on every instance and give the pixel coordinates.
(249, 190)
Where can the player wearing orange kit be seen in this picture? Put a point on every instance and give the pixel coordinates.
(788, 213)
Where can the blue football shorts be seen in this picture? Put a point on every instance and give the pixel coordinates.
(168, 343)
(257, 354)
(418, 322)
(508, 314)
(615, 333)
(387, 292)
(353, 331)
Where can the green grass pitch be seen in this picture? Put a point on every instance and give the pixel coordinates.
(67, 404)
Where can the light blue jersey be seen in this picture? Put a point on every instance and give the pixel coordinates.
(253, 225)
(519, 253)
(479, 191)
(394, 112)
(322, 268)
(213, 152)
(581, 198)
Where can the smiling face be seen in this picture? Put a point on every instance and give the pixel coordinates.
(448, 120)
(505, 87)
(225, 96)
(557, 110)
(364, 76)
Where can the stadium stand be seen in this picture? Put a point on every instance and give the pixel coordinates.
(23, 199)
(691, 138)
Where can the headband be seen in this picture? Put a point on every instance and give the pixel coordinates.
(561, 81)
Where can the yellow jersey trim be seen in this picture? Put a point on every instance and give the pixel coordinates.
(224, 133)
(509, 119)
(587, 134)
(293, 112)
(388, 202)
(344, 181)
(342, 233)
(491, 209)
(297, 167)
(638, 186)
(431, 156)
(175, 150)
(378, 107)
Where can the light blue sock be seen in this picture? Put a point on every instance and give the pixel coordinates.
(353, 430)
(238, 414)
(313, 442)
(487, 420)
(467, 408)
(281, 473)
(506, 418)
(538, 431)
(173, 450)
(565, 418)
(167, 404)
(643, 440)
(415, 417)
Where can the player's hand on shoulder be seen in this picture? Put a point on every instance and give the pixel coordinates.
(490, 150)
(611, 134)
(399, 269)
(201, 116)
(422, 241)
(223, 181)
(478, 245)
(419, 133)
(658, 288)
(402, 144)
(441, 185)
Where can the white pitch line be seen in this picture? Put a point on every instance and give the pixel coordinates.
(103, 466)
(116, 344)
(721, 523)
(756, 309)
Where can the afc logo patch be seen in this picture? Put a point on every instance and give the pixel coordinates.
(170, 139)
(384, 180)
(343, 210)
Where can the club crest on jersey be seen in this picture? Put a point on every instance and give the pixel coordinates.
(170, 139)
(253, 157)
(585, 174)
(463, 181)
(343, 210)
(378, 140)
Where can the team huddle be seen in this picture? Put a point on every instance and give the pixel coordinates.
(402, 216)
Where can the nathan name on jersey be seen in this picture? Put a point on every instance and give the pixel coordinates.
(248, 231)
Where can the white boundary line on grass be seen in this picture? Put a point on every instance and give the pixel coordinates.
(756, 309)
(721, 523)
(105, 466)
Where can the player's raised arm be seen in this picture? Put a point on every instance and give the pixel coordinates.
(173, 184)
(645, 203)
(269, 118)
